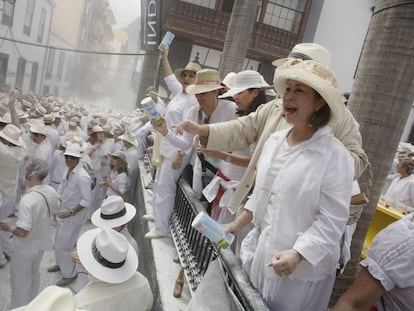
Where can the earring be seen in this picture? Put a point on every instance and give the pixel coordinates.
(313, 116)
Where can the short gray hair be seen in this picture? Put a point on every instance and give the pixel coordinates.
(39, 168)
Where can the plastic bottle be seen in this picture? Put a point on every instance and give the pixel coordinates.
(150, 108)
(212, 230)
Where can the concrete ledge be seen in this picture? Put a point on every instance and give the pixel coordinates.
(156, 256)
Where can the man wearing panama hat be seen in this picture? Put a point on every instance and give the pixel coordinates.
(75, 194)
(209, 110)
(42, 148)
(32, 234)
(174, 160)
(115, 283)
(114, 213)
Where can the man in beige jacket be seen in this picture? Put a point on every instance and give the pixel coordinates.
(259, 125)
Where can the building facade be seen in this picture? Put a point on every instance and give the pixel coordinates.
(200, 28)
(24, 31)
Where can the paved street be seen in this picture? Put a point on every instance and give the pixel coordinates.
(163, 251)
(46, 278)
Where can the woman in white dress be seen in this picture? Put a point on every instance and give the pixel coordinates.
(300, 203)
(402, 188)
(118, 178)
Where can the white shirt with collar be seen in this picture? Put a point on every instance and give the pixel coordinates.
(10, 160)
(132, 158)
(303, 200)
(57, 167)
(34, 216)
(176, 111)
(75, 190)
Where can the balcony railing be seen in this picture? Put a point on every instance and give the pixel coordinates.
(208, 26)
(196, 253)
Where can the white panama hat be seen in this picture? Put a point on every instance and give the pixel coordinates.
(12, 134)
(73, 150)
(307, 51)
(228, 79)
(315, 75)
(114, 212)
(107, 255)
(41, 110)
(39, 128)
(244, 80)
(129, 137)
(6, 118)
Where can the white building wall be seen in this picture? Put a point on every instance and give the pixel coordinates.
(29, 52)
(341, 29)
(58, 85)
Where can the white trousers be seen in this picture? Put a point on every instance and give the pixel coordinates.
(98, 195)
(24, 277)
(67, 234)
(164, 194)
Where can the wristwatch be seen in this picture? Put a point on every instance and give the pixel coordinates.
(228, 158)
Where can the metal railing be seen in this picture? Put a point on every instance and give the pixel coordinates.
(196, 252)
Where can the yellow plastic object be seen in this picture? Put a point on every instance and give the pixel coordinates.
(383, 217)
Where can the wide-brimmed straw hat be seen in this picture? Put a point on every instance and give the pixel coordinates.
(307, 51)
(73, 150)
(244, 80)
(315, 75)
(41, 110)
(12, 134)
(96, 129)
(52, 298)
(194, 67)
(107, 255)
(114, 212)
(129, 138)
(21, 114)
(228, 80)
(6, 118)
(39, 128)
(206, 80)
(48, 118)
(119, 154)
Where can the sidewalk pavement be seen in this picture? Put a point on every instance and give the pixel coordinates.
(46, 278)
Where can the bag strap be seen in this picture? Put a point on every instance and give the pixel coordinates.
(204, 163)
(44, 197)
